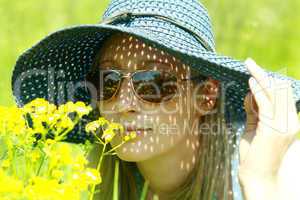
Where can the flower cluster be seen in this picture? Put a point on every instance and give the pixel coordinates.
(35, 162)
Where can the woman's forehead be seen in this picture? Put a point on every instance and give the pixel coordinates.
(127, 52)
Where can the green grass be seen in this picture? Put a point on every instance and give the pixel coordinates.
(264, 30)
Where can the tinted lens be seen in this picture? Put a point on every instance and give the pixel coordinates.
(109, 83)
(155, 86)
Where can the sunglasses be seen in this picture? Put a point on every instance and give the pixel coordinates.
(154, 86)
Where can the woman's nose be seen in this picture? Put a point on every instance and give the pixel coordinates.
(127, 101)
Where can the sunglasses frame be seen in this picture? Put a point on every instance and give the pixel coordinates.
(131, 74)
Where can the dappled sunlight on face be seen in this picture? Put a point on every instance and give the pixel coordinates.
(166, 124)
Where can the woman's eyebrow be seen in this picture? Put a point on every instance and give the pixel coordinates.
(162, 65)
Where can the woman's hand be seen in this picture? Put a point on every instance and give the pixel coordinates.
(272, 125)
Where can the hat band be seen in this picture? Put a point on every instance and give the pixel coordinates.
(129, 15)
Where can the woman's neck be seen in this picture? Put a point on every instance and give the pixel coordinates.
(168, 171)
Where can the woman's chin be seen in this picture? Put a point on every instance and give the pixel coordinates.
(135, 150)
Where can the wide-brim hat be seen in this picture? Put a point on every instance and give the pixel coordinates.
(55, 68)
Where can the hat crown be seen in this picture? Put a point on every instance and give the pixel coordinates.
(190, 13)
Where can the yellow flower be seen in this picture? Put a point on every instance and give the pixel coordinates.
(57, 173)
(103, 121)
(82, 109)
(126, 138)
(132, 134)
(5, 163)
(108, 135)
(9, 184)
(92, 126)
(35, 155)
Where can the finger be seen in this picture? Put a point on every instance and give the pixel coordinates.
(285, 108)
(260, 76)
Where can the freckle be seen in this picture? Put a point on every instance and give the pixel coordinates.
(154, 57)
(151, 148)
(151, 139)
(157, 119)
(130, 46)
(188, 166)
(187, 142)
(194, 159)
(181, 164)
(151, 119)
(157, 139)
(137, 46)
(193, 146)
(142, 52)
(139, 143)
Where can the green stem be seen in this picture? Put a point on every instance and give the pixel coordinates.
(98, 169)
(113, 149)
(116, 182)
(145, 190)
(40, 167)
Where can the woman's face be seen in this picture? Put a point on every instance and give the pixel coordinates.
(170, 122)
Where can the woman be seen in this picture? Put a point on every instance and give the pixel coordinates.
(190, 104)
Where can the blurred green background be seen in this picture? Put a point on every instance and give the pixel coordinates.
(268, 31)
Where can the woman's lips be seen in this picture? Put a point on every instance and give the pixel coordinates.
(139, 131)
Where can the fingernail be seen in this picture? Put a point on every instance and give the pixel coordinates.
(250, 62)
